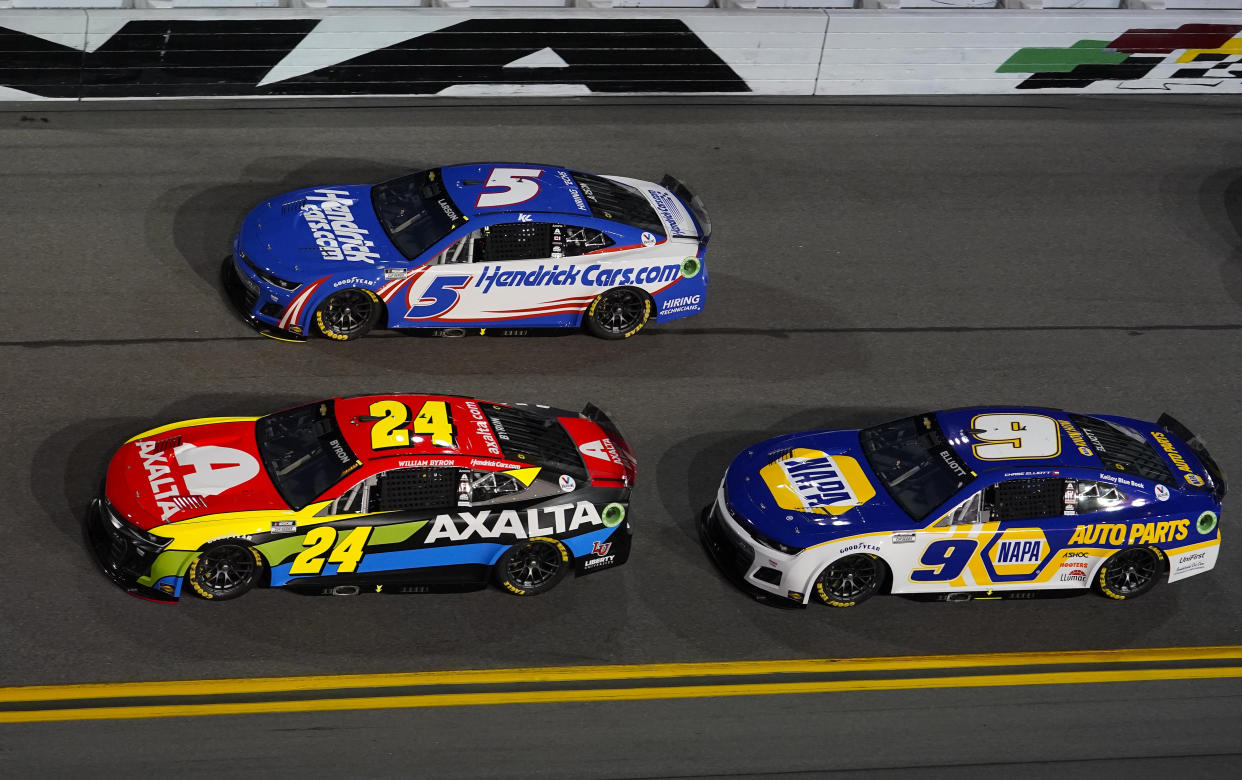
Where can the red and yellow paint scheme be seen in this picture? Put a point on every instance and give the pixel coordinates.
(403, 491)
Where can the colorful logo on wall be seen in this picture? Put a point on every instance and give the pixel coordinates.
(1197, 55)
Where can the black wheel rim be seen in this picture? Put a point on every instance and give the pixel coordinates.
(1130, 572)
(347, 312)
(534, 565)
(225, 569)
(851, 578)
(619, 311)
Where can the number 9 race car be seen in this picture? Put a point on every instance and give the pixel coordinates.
(990, 501)
(395, 493)
(463, 247)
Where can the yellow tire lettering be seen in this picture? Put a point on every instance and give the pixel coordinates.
(349, 552)
(317, 542)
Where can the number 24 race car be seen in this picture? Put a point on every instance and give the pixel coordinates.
(971, 501)
(507, 247)
(395, 494)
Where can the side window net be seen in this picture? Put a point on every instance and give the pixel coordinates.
(517, 241)
(1023, 499)
(405, 489)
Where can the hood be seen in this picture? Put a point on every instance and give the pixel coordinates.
(315, 231)
(190, 470)
(807, 488)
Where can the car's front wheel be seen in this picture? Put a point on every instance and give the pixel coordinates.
(532, 567)
(850, 580)
(618, 313)
(225, 571)
(1129, 573)
(348, 314)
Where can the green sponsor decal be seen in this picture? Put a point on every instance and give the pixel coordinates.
(613, 515)
(169, 562)
(1207, 523)
(277, 551)
(1061, 60)
(392, 534)
(690, 267)
(280, 550)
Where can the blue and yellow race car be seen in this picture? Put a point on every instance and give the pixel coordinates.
(978, 501)
(510, 247)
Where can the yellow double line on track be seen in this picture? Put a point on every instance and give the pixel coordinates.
(88, 696)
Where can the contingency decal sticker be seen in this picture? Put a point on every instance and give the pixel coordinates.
(813, 481)
(1193, 55)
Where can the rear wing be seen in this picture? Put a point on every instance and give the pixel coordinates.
(624, 451)
(692, 202)
(1216, 477)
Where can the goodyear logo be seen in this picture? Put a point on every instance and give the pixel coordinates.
(813, 481)
(1117, 534)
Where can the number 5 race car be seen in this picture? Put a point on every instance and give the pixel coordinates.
(508, 247)
(397, 494)
(969, 501)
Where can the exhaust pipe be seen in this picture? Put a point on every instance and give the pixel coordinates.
(345, 590)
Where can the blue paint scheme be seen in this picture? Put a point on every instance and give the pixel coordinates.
(172, 580)
(485, 553)
(277, 238)
(753, 504)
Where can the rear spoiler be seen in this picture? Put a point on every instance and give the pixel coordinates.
(692, 202)
(626, 453)
(1217, 477)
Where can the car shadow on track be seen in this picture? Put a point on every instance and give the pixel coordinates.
(196, 224)
(1220, 200)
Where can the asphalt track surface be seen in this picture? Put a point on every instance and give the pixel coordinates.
(870, 259)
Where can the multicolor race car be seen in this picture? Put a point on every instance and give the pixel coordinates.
(967, 503)
(391, 493)
(507, 247)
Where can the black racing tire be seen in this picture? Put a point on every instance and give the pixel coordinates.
(851, 580)
(1130, 573)
(225, 571)
(348, 314)
(618, 313)
(533, 566)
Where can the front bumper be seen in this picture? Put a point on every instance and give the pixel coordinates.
(123, 561)
(752, 567)
(246, 300)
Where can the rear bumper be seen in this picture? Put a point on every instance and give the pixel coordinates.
(245, 300)
(119, 558)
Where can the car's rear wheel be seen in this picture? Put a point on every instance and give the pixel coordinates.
(532, 567)
(225, 571)
(850, 580)
(618, 313)
(348, 314)
(1130, 573)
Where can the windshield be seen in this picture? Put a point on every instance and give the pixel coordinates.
(619, 202)
(915, 463)
(415, 211)
(304, 452)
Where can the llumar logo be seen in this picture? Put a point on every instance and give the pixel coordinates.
(333, 228)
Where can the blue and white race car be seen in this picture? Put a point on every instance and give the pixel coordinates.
(980, 501)
(512, 247)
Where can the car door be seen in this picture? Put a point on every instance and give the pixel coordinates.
(374, 525)
(994, 539)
